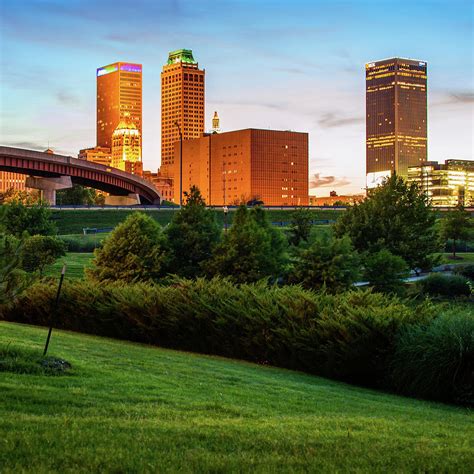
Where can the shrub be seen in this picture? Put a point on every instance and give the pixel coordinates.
(437, 360)
(83, 243)
(384, 271)
(467, 271)
(448, 286)
(38, 251)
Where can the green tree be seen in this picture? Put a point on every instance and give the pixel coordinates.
(300, 226)
(385, 271)
(38, 251)
(395, 216)
(34, 218)
(79, 195)
(192, 236)
(12, 279)
(250, 250)
(134, 251)
(328, 262)
(457, 225)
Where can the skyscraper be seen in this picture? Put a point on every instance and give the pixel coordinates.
(182, 103)
(126, 147)
(396, 117)
(119, 91)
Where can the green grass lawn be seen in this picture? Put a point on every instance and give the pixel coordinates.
(76, 262)
(132, 408)
(461, 258)
(73, 221)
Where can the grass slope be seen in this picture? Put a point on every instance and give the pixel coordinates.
(76, 262)
(73, 221)
(133, 408)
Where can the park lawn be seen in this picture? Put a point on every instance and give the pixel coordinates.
(134, 408)
(461, 258)
(75, 265)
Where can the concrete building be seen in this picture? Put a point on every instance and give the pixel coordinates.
(98, 154)
(234, 167)
(396, 117)
(126, 147)
(12, 181)
(447, 185)
(182, 104)
(119, 92)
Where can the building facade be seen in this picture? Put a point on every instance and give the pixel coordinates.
(396, 117)
(119, 92)
(98, 154)
(182, 103)
(240, 166)
(12, 181)
(447, 185)
(126, 147)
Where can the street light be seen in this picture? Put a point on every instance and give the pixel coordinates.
(180, 165)
(226, 210)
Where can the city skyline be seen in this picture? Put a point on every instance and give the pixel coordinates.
(296, 68)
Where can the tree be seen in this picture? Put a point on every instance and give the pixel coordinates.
(457, 225)
(38, 251)
(385, 271)
(34, 218)
(395, 216)
(12, 279)
(134, 251)
(328, 262)
(300, 226)
(79, 195)
(250, 251)
(192, 236)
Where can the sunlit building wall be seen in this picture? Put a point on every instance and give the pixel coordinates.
(396, 117)
(12, 181)
(182, 102)
(100, 155)
(236, 167)
(119, 92)
(126, 147)
(447, 185)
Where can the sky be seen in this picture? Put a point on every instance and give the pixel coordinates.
(285, 65)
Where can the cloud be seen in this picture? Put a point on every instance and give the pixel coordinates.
(455, 97)
(66, 98)
(329, 120)
(319, 181)
(28, 145)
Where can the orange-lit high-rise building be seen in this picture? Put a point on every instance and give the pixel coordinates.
(182, 103)
(119, 92)
(246, 165)
(126, 147)
(12, 181)
(396, 117)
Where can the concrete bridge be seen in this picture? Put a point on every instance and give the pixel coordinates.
(50, 172)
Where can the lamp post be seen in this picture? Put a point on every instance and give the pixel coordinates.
(180, 165)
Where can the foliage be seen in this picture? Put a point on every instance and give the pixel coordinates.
(385, 271)
(134, 408)
(134, 251)
(192, 236)
(456, 225)
(395, 216)
(437, 360)
(34, 218)
(251, 250)
(467, 271)
(80, 195)
(12, 280)
(38, 251)
(329, 262)
(300, 226)
(447, 286)
(83, 243)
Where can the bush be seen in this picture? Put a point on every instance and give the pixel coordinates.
(83, 243)
(38, 251)
(385, 271)
(448, 286)
(437, 360)
(467, 271)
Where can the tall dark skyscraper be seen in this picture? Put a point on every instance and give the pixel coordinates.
(396, 117)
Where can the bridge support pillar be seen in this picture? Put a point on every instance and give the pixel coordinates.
(130, 200)
(49, 186)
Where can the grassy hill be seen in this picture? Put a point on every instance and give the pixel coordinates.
(132, 408)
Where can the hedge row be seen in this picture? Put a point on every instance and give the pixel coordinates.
(359, 337)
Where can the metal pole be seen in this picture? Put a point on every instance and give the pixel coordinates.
(209, 171)
(54, 309)
(180, 168)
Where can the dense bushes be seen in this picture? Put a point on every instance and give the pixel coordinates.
(448, 286)
(356, 336)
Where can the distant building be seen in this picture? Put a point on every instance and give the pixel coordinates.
(448, 184)
(334, 200)
(163, 185)
(126, 147)
(240, 166)
(98, 154)
(119, 92)
(182, 103)
(215, 123)
(396, 117)
(12, 181)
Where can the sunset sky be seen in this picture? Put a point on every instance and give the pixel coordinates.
(290, 65)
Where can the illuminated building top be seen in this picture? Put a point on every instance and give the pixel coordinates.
(181, 56)
(128, 67)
